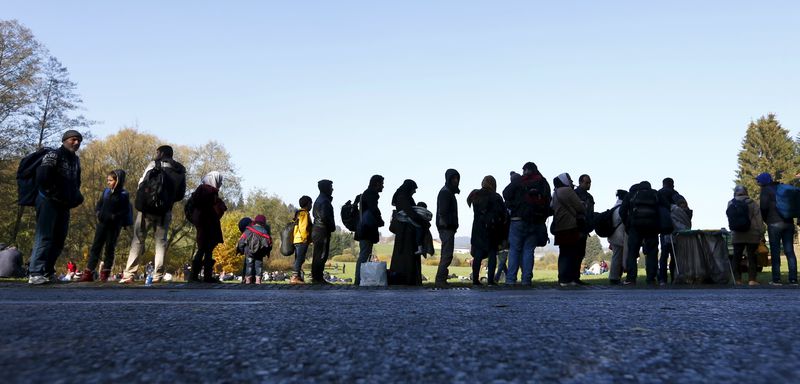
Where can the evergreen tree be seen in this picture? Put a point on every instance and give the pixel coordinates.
(767, 147)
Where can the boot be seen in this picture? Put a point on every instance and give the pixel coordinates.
(258, 279)
(104, 275)
(296, 280)
(248, 280)
(87, 276)
(208, 274)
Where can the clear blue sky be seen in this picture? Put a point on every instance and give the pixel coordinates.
(303, 90)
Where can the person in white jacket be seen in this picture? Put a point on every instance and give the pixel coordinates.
(617, 242)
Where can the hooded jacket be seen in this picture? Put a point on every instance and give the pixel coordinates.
(59, 177)
(323, 210)
(489, 225)
(114, 205)
(446, 204)
(403, 201)
(368, 228)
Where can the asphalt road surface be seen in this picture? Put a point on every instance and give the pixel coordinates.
(229, 333)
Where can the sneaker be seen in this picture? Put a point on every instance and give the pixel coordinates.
(629, 283)
(775, 283)
(792, 282)
(753, 283)
(38, 280)
(615, 282)
(570, 284)
(51, 278)
(126, 280)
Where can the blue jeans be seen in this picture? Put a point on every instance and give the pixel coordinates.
(782, 233)
(649, 244)
(363, 256)
(300, 251)
(52, 224)
(522, 241)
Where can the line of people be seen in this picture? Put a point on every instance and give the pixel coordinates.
(515, 220)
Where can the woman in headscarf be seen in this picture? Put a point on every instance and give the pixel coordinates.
(489, 227)
(568, 210)
(406, 268)
(208, 210)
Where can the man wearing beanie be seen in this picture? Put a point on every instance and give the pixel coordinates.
(59, 181)
(780, 230)
(175, 183)
(321, 231)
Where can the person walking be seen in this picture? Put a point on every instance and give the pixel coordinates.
(59, 182)
(488, 228)
(173, 183)
(747, 237)
(528, 201)
(367, 233)
(113, 211)
(324, 225)
(569, 211)
(406, 264)
(208, 209)
(301, 238)
(617, 242)
(582, 190)
(447, 224)
(779, 230)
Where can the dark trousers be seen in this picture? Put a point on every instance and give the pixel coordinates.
(581, 254)
(478, 255)
(322, 247)
(253, 266)
(637, 241)
(363, 256)
(752, 261)
(106, 235)
(666, 260)
(448, 245)
(52, 225)
(203, 258)
(569, 261)
(300, 251)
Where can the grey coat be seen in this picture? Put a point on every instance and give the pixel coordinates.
(756, 232)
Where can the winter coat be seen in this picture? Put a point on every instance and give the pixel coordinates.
(588, 203)
(406, 266)
(490, 219)
(177, 177)
(523, 198)
(371, 218)
(567, 207)
(255, 242)
(756, 232)
(324, 223)
(446, 204)
(667, 196)
(618, 237)
(113, 207)
(59, 178)
(769, 205)
(302, 230)
(208, 210)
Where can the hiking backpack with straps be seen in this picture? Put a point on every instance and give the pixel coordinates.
(27, 189)
(604, 222)
(350, 214)
(287, 237)
(153, 194)
(738, 215)
(644, 210)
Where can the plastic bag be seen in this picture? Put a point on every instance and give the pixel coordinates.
(373, 274)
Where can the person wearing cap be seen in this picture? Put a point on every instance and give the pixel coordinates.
(528, 201)
(255, 243)
(779, 230)
(176, 174)
(59, 181)
(324, 225)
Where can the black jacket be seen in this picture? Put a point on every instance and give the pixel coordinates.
(59, 177)
(114, 208)
(588, 202)
(768, 202)
(446, 204)
(369, 208)
(667, 196)
(323, 215)
(490, 223)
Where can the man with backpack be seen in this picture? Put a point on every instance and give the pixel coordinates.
(779, 229)
(528, 200)
(367, 233)
(58, 178)
(161, 186)
(324, 225)
(582, 190)
(747, 227)
(447, 223)
(640, 215)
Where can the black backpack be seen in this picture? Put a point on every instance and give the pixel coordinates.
(154, 195)
(738, 215)
(604, 222)
(188, 209)
(350, 214)
(27, 189)
(644, 210)
(533, 200)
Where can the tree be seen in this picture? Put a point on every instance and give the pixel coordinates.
(594, 250)
(766, 147)
(20, 56)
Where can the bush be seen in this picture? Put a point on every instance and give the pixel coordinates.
(431, 261)
(279, 263)
(345, 258)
